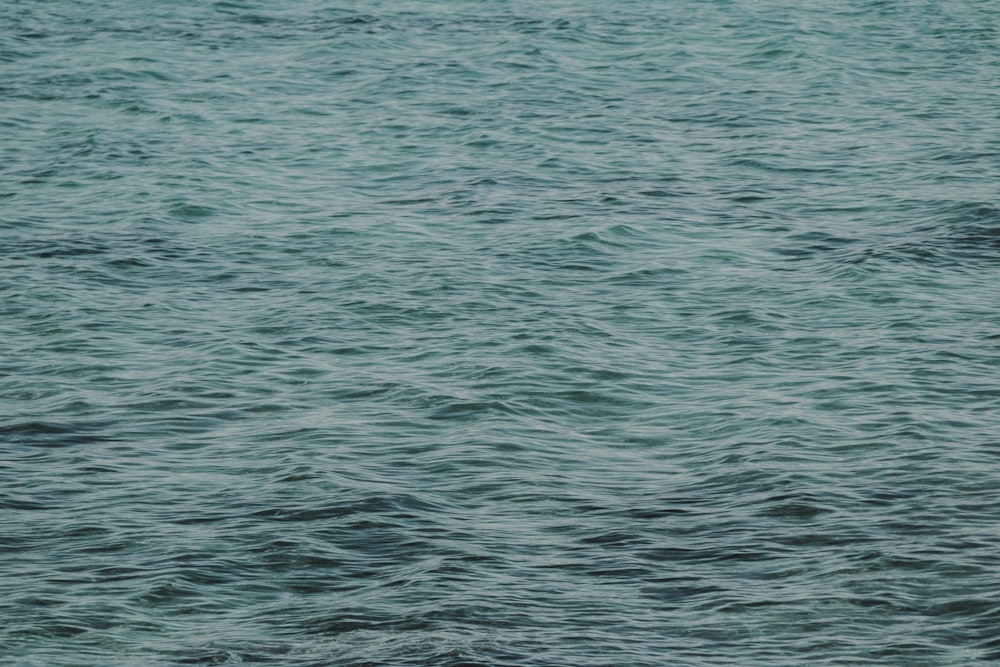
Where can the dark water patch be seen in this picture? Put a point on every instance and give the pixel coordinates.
(114, 250)
(963, 236)
(55, 434)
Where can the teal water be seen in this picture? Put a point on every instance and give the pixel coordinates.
(462, 333)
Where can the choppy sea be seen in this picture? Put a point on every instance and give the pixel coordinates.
(495, 332)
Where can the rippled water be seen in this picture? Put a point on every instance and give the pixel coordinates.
(500, 333)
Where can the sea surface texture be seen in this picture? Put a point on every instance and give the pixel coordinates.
(499, 332)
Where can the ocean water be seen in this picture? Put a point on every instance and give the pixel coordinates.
(495, 332)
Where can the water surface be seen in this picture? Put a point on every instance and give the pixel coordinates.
(499, 333)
